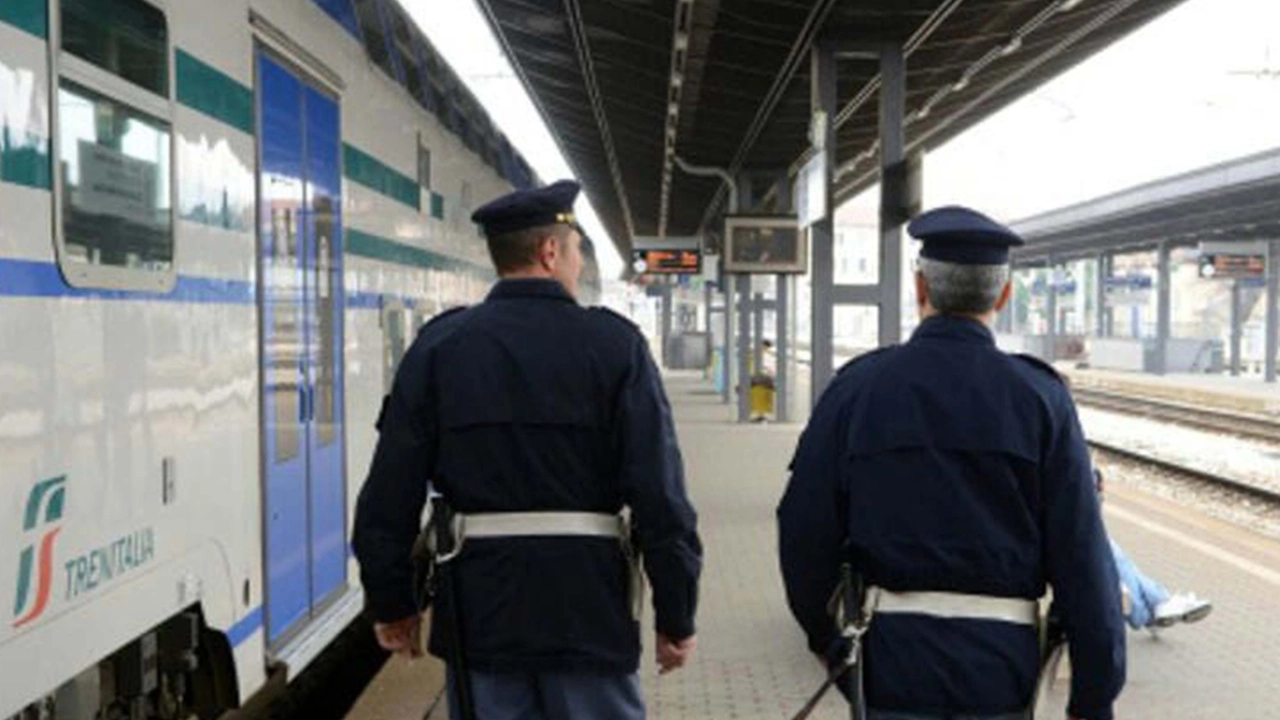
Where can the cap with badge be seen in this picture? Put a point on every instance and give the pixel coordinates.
(959, 235)
(524, 209)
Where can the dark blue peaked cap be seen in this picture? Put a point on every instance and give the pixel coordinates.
(966, 237)
(529, 208)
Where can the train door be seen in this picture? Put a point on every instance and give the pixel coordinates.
(301, 310)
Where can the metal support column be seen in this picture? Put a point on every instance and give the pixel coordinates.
(1051, 311)
(893, 93)
(727, 289)
(667, 311)
(1273, 309)
(743, 378)
(822, 78)
(1100, 297)
(1237, 320)
(1164, 308)
(757, 332)
(782, 349)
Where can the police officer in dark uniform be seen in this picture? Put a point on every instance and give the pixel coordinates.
(954, 482)
(539, 421)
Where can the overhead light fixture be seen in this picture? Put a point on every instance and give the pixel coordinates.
(1013, 46)
(1069, 5)
(682, 41)
(677, 79)
(673, 109)
(922, 112)
(962, 83)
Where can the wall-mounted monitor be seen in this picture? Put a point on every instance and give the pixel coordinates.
(758, 244)
(667, 262)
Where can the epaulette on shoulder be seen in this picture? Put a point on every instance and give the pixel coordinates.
(447, 313)
(1041, 365)
(865, 356)
(442, 315)
(615, 315)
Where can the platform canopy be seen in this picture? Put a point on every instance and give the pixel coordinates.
(627, 84)
(1237, 200)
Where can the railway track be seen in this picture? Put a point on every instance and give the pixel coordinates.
(1215, 480)
(1256, 427)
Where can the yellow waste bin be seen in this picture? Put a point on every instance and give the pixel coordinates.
(762, 392)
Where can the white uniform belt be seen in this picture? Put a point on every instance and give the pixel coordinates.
(554, 524)
(532, 524)
(1019, 611)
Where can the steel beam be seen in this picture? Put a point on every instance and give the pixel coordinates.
(822, 77)
(1164, 307)
(1101, 271)
(1273, 309)
(782, 349)
(1051, 310)
(744, 347)
(730, 312)
(1237, 320)
(666, 321)
(893, 93)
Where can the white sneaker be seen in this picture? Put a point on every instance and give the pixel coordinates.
(1181, 607)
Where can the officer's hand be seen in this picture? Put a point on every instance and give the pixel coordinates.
(402, 637)
(672, 655)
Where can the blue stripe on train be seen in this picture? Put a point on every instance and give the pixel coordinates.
(34, 278)
(246, 627)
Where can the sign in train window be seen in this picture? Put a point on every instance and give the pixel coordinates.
(114, 145)
(114, 164)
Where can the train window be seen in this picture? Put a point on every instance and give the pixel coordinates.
(375, 36)
(342, 12)
(424, 166)
(426, 62)
(114, 182)
(127, 38)
(404, 46)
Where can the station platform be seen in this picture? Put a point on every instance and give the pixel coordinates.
(752, 664)
(1239, 394)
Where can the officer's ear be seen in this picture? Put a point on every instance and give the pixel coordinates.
(549, 250)
(922, 290)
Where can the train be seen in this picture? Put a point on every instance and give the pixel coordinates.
(220, 225)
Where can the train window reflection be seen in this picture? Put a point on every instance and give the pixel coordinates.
(116, 207)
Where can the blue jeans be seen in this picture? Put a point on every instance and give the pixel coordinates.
(1144, 593)
(552, 696)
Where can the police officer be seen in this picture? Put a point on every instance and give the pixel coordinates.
(538, 421)
(954, 482)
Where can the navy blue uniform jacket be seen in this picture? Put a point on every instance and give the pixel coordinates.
(945, 464)
(529, 402)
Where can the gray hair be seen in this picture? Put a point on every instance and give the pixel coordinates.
(964, 289)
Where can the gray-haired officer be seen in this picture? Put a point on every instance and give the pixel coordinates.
(954, 481)
(539, 421)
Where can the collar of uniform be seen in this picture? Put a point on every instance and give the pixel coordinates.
(950, 327)
(529, 288)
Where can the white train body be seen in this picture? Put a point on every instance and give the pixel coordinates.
(186, 416)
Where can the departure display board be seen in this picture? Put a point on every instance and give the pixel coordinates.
(765, 245)
(1232, 267)
(667, 262)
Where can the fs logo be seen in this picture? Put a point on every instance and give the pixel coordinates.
(44, 510)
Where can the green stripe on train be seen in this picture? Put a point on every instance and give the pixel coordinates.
(26, 163)
(379, 248)
(29, 15)
(367, 170)
(204, 88)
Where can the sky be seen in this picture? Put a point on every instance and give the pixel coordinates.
(1163, 100)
